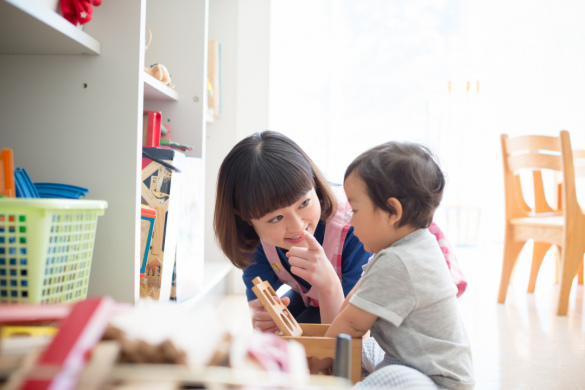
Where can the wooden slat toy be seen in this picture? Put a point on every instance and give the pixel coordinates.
(277, 310)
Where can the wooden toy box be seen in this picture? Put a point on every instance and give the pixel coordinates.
(311, 336)
(318, 346)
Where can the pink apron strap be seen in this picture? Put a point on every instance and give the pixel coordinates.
(336, 231)
(454, 269)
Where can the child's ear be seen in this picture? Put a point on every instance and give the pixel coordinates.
(395, 205)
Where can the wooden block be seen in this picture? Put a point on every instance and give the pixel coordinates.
(103, 358)
(277, 310)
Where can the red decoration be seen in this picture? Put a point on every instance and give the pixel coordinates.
(78, 11)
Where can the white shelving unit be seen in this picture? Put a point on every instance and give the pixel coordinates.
(71, 104)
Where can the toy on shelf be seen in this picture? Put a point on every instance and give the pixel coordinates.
(7, 185)
(151, 128)
(161, 189)
(147, 219)
(174, 145)
(158, 71)
(167, 143)
(78, 11)
(59, 190)
(24, 186)
(311, 336)
(161, 73)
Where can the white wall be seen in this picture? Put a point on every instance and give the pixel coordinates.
(243, 29)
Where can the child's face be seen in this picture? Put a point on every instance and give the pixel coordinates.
(283, 227)
(373, 226)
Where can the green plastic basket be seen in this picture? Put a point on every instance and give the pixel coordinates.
(46, 247)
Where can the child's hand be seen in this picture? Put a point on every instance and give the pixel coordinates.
(311, 264)
(321, 366)
(261, 320)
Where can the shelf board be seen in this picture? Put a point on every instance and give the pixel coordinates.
(156, 90)
(214, 273)
(29, 28)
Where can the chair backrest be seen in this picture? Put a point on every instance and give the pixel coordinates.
(538, 153)
(579, 164)
(573, 168)
(528, 153)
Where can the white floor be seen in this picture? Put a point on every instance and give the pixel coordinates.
(521, 344)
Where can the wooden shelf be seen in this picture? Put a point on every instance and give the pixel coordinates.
(156, 90)
(34, 29)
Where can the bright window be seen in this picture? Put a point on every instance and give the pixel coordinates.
(454, 75)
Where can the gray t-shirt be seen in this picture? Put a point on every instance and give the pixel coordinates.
(409, 288)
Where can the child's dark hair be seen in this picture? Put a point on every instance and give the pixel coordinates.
(262, 173)
(406, 171)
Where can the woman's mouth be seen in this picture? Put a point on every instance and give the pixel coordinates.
(295, 239)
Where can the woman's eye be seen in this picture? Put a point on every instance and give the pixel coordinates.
(275, 219)
(305, 203)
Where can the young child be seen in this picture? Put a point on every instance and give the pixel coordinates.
(405, 296)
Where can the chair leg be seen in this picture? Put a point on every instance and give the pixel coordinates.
(572, 259)
(558, 265)
(512, 250)
(538, 253)
(557, 256)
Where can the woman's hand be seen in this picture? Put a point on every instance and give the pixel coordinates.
(261, 320)
(311, 264)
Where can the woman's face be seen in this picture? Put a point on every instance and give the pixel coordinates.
(283, 227)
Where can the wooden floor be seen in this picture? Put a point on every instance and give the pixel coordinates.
(521, 344)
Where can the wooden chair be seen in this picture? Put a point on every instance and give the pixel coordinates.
(563, 226)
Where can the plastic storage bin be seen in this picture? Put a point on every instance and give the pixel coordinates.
(46, 247)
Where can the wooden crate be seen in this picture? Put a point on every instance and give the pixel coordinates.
(311, 336)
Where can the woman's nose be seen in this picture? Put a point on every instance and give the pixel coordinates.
(296, 223)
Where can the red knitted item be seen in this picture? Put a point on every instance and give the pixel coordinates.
(78, 11)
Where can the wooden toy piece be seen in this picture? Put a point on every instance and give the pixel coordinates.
(32, 313)
(277, 310)
(66, 354)
(101, 361)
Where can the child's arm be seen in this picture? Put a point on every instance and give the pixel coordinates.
(346, 301)
(352, 321)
